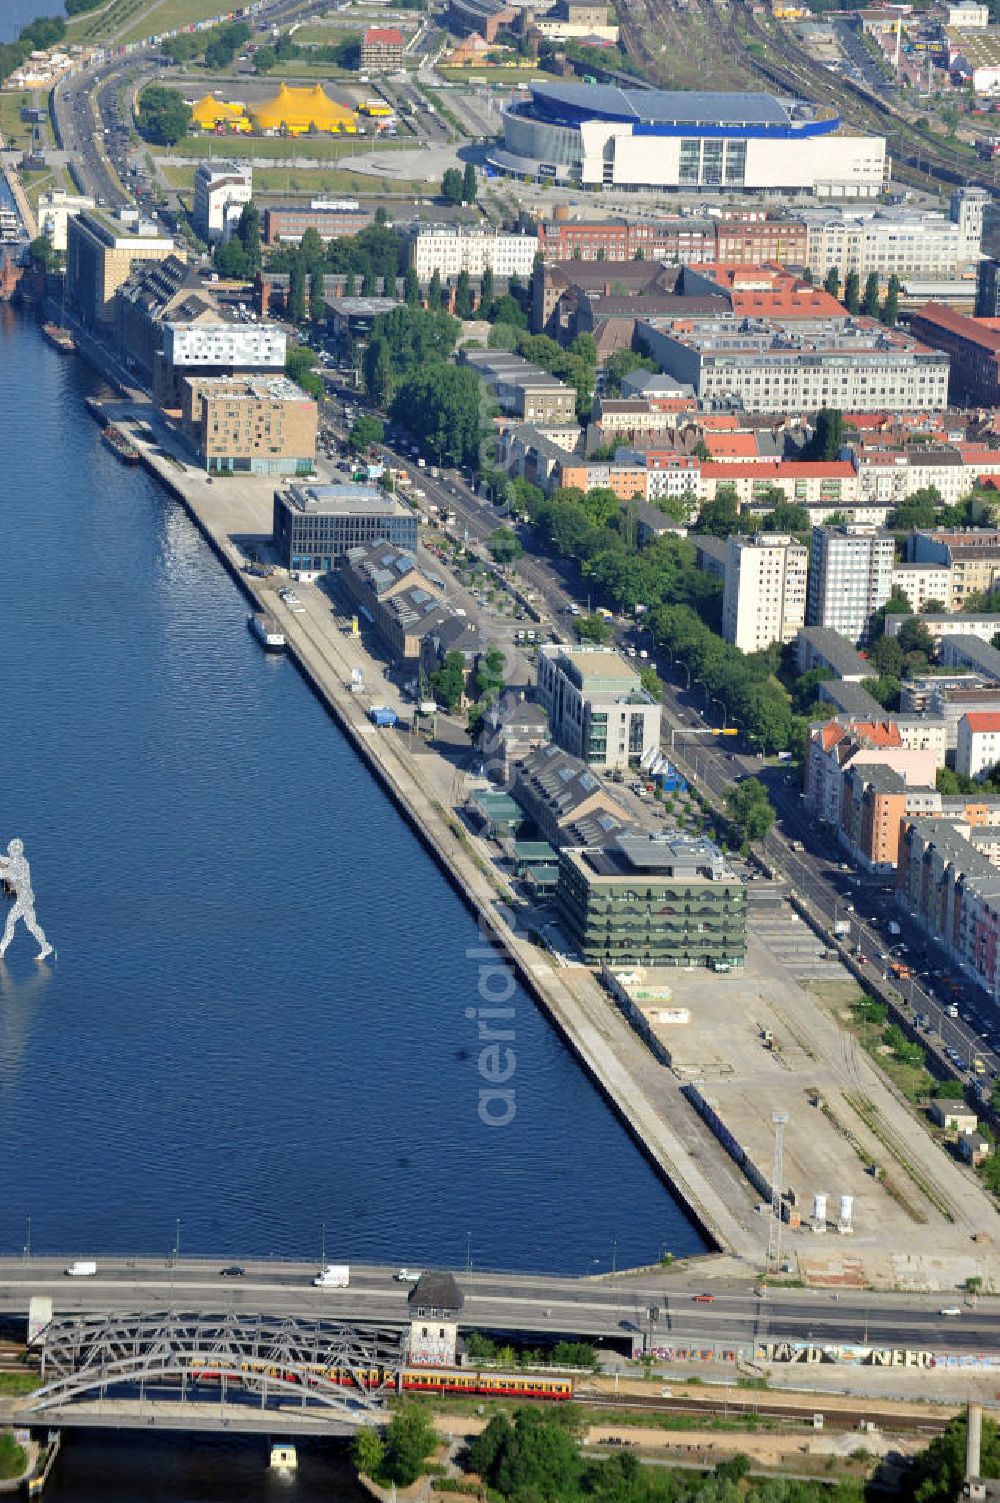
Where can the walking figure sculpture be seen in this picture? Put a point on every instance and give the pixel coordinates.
(15, 871)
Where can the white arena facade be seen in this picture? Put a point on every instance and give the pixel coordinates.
(654, 140)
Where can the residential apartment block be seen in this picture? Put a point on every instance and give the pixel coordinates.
(971, 555)
(522, 389)
(597, 707)
(765, 592)
(451, 251)
(250, 425)
(850, 577)
(978, 746)
(777, 364)
(382, 49)
(952, 890)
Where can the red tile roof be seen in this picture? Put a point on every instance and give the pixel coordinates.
(387, 35)
(982, 331)
(981, 721)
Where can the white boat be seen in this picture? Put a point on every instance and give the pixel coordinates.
(267, 631)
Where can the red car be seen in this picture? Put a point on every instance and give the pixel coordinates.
(704, 1299)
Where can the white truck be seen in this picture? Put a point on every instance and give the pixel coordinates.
(81, 1269)
(893, 928)
(842, 927)
(333, 1276)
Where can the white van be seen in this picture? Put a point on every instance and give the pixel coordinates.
(333, 1276)
(81, 1270)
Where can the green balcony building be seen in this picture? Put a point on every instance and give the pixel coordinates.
(654, 899)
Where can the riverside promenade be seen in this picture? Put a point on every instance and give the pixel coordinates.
(232, 513)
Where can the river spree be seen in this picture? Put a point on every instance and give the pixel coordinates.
(256, 1024)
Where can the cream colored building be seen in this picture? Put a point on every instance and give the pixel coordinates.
(254, 424)
(765, 592)
(101, 254)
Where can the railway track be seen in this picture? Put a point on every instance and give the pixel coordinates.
(744, 1404)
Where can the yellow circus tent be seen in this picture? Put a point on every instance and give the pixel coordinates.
(209, 113)
(299, 110)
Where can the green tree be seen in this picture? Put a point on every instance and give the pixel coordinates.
(410, 1438)
(366, 434)
(507, 310)
(504, 545)
(890, 308)
(486, 293)
(297, 294)
(368, 283)
(831, 282)
(750, 810)
(317, 298)
(918, 510)
(827, 435)
(852, 292)
(41, 253)
(448, 681)
(937, 1474)
(180, 49)
(720, 517)
(231, 261)
(442, 405)
(593, 629)
(162, 115)
(451, 186)
(463, 296)
(434, 292)
(264, 59)
(411, 288)
(368, 1451)
(350, 285)
(870, 301)
(300, 366)
(913, 636)
(620, 364)
(469, 188)
(311, 251)
(887, 656)
(378, 372)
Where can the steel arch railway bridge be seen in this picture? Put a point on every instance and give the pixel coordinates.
(252, 1372)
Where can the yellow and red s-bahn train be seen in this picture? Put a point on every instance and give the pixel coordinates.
(413, 1379)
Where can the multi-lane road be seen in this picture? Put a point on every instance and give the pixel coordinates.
(666, 1309)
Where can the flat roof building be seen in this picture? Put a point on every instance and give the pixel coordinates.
(329, 220)
(101, 254)
(597, 707)
(315, 525)
(221, 190)
(765, 592)
(522, 389)
(601, 135)
(653, 899)
(850, 577)
(250, 425)
(779, 364)
(822, 647)
(450, 250)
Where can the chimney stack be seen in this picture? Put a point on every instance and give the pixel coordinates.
(973, 1442)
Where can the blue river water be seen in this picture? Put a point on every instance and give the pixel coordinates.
(256, 1025)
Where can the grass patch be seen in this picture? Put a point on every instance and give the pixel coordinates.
(278, 148)
(335, 180)
(15, 1384)
(13, 1458)
(169, 14)
(15, 131)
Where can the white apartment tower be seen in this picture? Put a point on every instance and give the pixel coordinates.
(850, 577)
(765, 593)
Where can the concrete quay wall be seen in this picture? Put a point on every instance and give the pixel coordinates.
(587, 1023)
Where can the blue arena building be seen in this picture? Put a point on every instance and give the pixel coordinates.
(647, 140)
